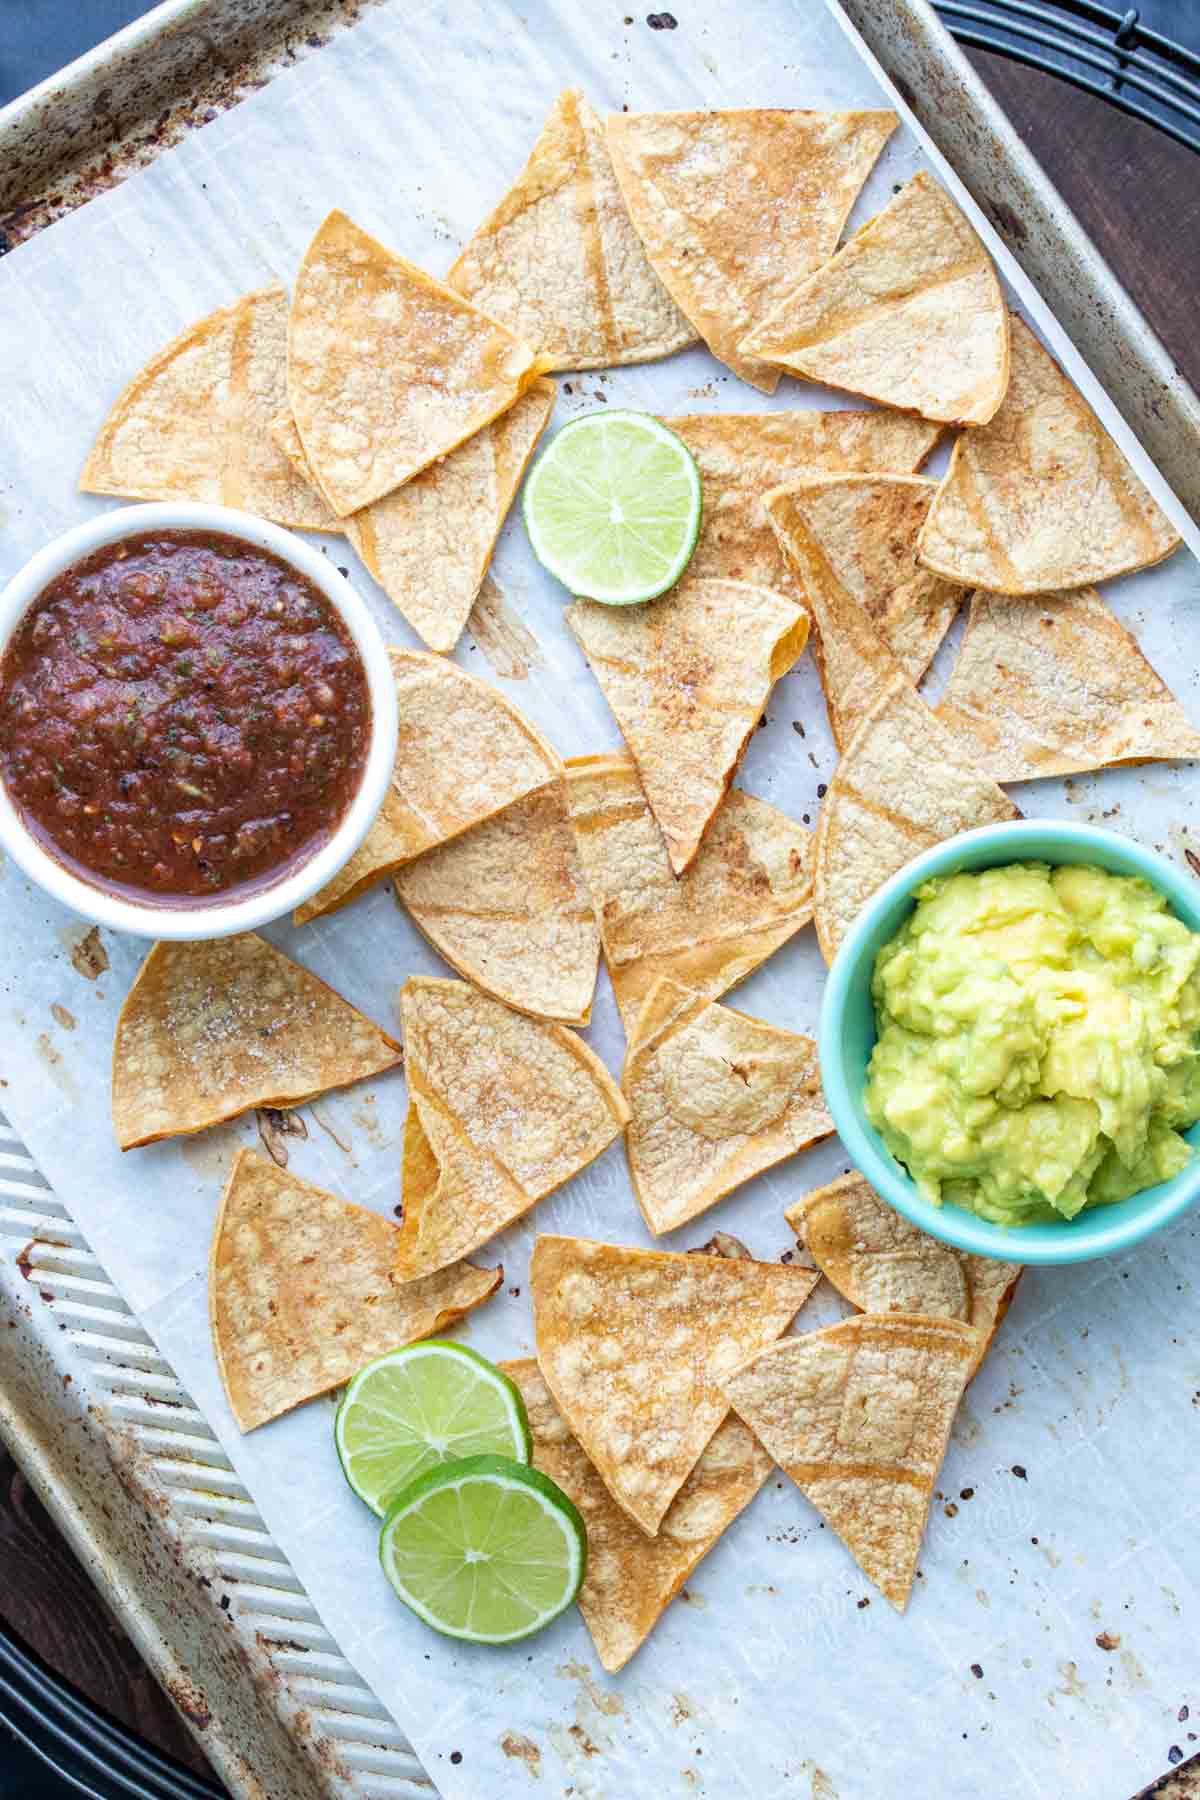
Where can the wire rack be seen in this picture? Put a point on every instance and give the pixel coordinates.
(1094, 47)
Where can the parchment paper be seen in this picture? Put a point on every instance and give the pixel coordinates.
(1050, 1642)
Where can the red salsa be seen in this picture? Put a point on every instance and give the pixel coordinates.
(181, 713)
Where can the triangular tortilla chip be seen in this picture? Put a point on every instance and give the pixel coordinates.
(1056, 686)
(736, 208)
(193, 425)
(715, 1097)
(632, 1344)
(903, 785)
(631, 1578)
(464, 752)
(687, 677)
(859, 1416)
(210, 1030)
(909, 313)
(388, 369)
(502, 1110)
(559, 261)
(882, 1263)
(506, 904)
(852, 541)
(748, 891)
(1041, 498)
(302, 1291)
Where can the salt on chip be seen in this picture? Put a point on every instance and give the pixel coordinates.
(687, 677)
(387, 368)
(747, 892)
(735, 208)
(909, 313)
(211, 1029)
(1041, 498)
(193, 424)
(859, 1416)
(883, 1263)
(715, 1097)
(506, 904)
(559, 261)
(631, 1578)
(503, 1109)
(1056, 686)
(633, 1344)
(302, 1291)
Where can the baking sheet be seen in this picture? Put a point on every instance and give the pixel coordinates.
(782, 1671)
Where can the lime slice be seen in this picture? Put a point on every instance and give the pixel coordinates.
(416, 1408)
(613, 507)
(485, 1549)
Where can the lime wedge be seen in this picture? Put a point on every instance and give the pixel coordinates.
(613, 507)
(416, 1408)
(486, 1549)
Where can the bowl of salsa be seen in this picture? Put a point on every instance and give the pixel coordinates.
(197, 720)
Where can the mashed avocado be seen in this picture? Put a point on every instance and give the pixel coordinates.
(1039, 1041)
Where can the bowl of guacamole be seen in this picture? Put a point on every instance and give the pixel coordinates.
(1010, 1041)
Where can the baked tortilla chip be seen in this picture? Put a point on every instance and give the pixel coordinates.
(903, 784)
(748, 891)
(464, 753)
(882, 1263)
(1041, 498)
(859, 1416)
(502, 1110)
(388, 369)
(715, 1097)
(736, 208)
(506, 904)
(193, 425)
(909, 313)
(632, 1344)
(210, 1030)
(631, 1578)
(1057, 686)
(302, 1291)
(852, 542)
(559, 261)
(687, 677)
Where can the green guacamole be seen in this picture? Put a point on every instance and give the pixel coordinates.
(1039, 1041)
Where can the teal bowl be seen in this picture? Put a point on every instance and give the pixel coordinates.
(847, 1037)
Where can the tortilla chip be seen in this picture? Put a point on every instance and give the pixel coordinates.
(1057, 686)
(715, 1097)
(503, 1109)
(748, 891)
(388, 369)
(909, 313)
(687, 677)
(559, 261)
(903, 784)
(1041, 498)
(463, 754)
(302, 1292)
(507, 906)
(632, 1344)
(193, 425)
(631, 1579)
(859, 1416)
(736, 208)
(210, 1030)
(852, 541)
(882, 1263)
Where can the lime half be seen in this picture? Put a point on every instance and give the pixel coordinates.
(416, 1408)
(613, 507)
(485, 1549)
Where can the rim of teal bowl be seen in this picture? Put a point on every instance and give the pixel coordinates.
(1101, 1231)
